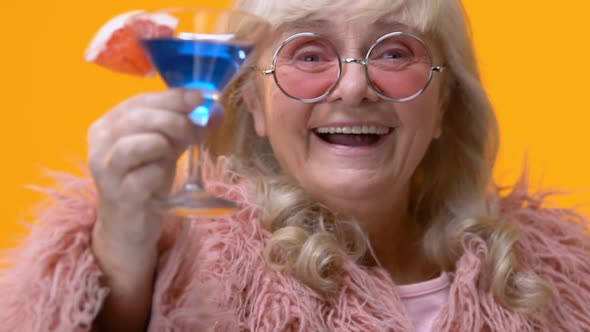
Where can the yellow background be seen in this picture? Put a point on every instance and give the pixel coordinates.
(534, 57)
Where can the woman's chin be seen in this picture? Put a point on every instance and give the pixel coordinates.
(357, 192)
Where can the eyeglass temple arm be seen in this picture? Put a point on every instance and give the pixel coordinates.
(438, 69)
(267, 72)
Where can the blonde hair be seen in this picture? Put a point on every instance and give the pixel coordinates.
(452, 190)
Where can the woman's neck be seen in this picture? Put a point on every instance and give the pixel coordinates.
(396, 240)
(395, 237)
(397, 247)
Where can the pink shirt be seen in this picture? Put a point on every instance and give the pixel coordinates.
(424, 300)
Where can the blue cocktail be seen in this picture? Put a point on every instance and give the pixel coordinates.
(205, 52)
(207, 65)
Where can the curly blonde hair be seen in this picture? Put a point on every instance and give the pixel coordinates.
(452, 191)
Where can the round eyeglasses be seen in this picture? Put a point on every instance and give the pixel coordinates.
(307, 67)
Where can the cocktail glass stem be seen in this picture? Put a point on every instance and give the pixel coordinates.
(200, 116)
(194, 180)
(193, 197)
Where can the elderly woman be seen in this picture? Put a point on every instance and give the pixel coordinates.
(366, 198)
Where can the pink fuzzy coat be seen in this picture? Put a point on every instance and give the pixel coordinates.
(212, 276)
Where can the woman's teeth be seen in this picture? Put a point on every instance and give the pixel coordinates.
(354, 130)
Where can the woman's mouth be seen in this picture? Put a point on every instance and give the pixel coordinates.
(355, 136)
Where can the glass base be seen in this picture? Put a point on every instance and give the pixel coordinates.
(197, 202)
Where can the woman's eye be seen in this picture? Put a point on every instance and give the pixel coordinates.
(396, 54)
(310, 57)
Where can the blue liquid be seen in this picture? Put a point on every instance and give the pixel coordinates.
(198, 64)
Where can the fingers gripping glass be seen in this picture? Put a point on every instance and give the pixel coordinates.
(307, 67)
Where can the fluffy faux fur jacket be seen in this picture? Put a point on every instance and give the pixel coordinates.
(212, 276)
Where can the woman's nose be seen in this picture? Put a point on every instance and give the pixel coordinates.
(353, 88)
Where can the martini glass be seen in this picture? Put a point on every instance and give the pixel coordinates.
(205, 52)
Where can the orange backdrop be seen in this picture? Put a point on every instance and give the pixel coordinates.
(533, 57)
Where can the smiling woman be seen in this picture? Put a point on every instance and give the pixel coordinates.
(359, 145)
(514, 79)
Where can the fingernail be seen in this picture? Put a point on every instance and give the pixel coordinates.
(193, 98)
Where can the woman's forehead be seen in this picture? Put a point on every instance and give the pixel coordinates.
(372, 18)
(282, 12)
(421, 15)
(338, 22)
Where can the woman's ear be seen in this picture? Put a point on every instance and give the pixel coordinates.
(440, 116)
(446, 90)
(439, 125)
(255, 107)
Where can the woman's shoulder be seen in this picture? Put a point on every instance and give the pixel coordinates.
(554, 243)
(547, 230)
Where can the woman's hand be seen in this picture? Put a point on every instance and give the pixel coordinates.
(132, 154)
